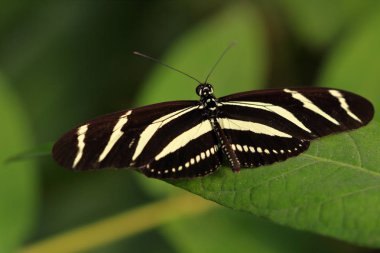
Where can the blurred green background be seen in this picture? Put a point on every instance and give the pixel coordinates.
(64, 62)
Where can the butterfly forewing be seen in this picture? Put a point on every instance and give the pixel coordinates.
(272, 125)
(112, 140)
(304, 113)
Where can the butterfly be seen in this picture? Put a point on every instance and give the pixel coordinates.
(183, 139)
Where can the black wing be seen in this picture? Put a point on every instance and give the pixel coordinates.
(272, 125)
(158, 139)
(192, 153)
(256, 144)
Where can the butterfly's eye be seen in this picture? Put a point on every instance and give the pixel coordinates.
(210, 88)
(199, 89)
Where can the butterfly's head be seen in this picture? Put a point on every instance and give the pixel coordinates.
(204, 89)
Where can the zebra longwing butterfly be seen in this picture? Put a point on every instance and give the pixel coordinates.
(193, 138)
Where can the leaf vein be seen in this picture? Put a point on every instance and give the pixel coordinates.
(352, 166)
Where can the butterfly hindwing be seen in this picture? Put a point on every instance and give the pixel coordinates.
(256, 144)
(193, 153)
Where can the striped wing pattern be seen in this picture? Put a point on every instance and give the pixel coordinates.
(177, 139)
(121, 140)
(255, 144)
(192, 153)
(308, 112)
(297, 116)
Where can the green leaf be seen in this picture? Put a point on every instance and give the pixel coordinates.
(18, 181)
(354, 64)
(332, 189)
(319, 22)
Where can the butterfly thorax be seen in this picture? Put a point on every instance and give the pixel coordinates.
(209, 102)
(209, 105)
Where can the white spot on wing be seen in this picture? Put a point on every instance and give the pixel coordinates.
(81, 134)
(309, 105)
(343, 104)
(115, 136)
(198, 158)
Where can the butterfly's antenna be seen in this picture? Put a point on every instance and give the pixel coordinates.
(166, 65)
(220, 58)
